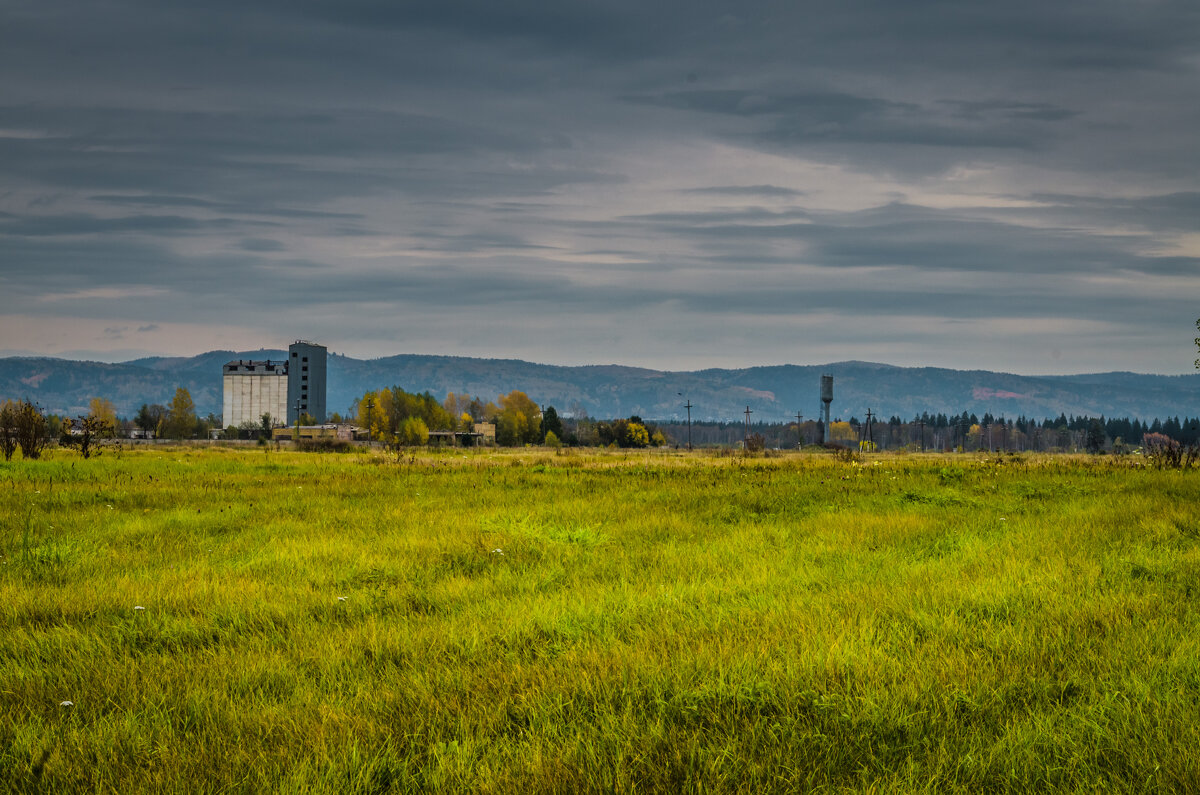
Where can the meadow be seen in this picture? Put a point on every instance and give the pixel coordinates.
(250, 620)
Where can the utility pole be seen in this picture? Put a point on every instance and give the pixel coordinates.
(688, 406)
(870, 435)
(799, 431)
(370, 407)
(746, 441)
(922, 436)
(297, 419)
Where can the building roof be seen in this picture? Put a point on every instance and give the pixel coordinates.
(263, 367)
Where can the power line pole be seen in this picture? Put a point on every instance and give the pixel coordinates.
(689, 411)
(746, 441)
(870, 435)
(799, 431)
(688, 406)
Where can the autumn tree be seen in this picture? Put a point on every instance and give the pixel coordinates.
(150, 418)
(105, 415)
(842, 432)
(457, 405)
(519, 420)
(412, 432)
(30, 429)
(372, 414)
(634, 434)
(384, 413)
(512, 428)
(181, 415)
(8, 429)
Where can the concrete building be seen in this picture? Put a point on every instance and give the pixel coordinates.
(284, 389)
(306, 381)
(252, 389)
(320, 433)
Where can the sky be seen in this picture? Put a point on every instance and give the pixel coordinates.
(678, 185)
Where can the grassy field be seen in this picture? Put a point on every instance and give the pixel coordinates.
(254, 620)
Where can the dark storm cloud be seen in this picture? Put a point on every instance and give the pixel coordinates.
(797, 119)
(693, 163)
(1173, 212)
(917, 238)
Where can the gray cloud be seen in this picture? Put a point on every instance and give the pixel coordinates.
(609, 180)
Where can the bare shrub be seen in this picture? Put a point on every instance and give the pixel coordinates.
(1163, 452)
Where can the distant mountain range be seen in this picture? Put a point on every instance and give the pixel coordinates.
(774, 393)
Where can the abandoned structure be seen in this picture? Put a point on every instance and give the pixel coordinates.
(286, 390)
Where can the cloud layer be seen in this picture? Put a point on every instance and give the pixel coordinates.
(1004, 186)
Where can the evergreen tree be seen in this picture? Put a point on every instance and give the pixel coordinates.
(551, 423)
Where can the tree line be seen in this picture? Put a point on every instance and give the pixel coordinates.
(24, 426)
(942, 432)
(398, 417)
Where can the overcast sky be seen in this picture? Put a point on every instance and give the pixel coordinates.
(1006, 186)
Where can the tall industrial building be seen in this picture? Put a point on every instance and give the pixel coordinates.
(285, 390)
(252, 389)
(306, 381)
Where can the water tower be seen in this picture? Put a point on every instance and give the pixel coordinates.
(826, 399)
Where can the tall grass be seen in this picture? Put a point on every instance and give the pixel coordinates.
(521, 622)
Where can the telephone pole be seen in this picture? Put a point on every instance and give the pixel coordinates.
(799, 431)
(746, 441)
(688, 406)
(870, 434)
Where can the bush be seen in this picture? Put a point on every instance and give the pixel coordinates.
(846, 454)
(1163, 452)
(30, 427)
(322, 445)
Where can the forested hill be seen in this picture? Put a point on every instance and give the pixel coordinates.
(774, 393)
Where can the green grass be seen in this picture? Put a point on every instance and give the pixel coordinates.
(525, 622)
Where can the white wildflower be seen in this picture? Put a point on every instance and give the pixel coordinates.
(341, 598)
(138, 607)
(66, 703)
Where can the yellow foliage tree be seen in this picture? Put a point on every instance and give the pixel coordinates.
(842, 432)
(519, 421)
(372, 414)
(105, 415)
(413, 432)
